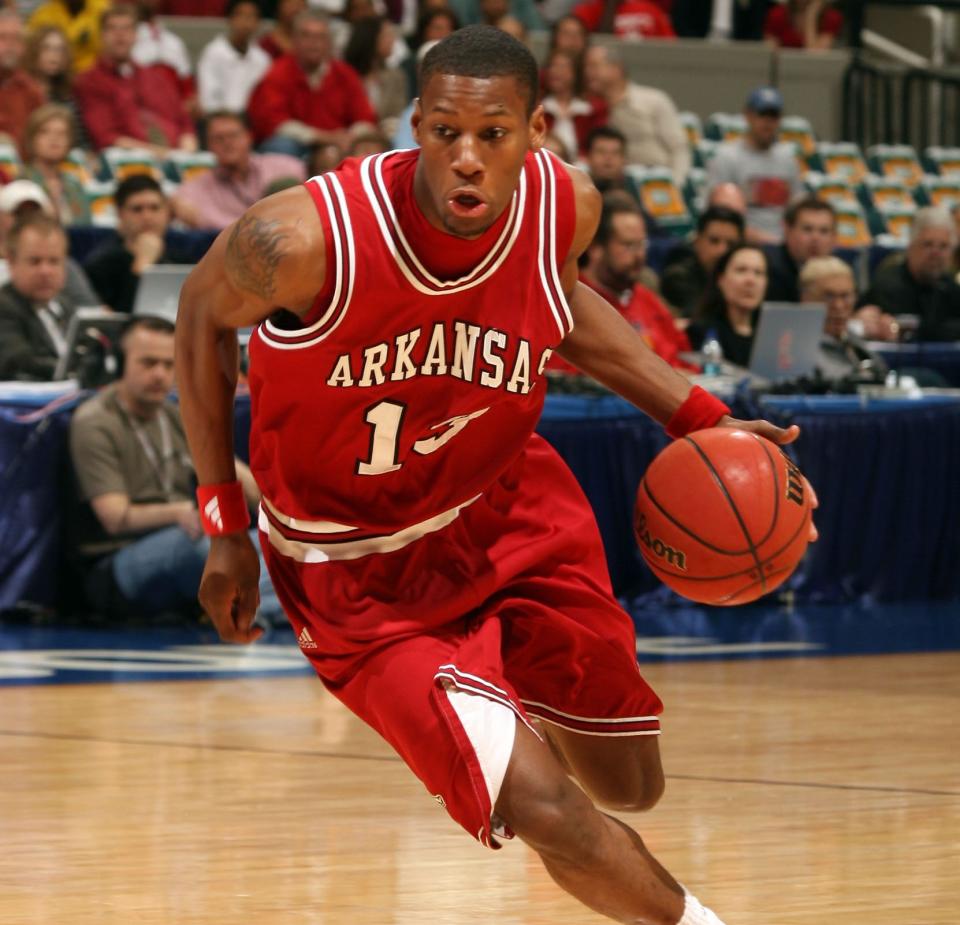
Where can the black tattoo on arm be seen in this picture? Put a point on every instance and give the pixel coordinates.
(253, 254)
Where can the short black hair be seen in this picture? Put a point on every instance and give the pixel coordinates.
(233, 4)
(807, 204)
(144, 323)
(135, 183)
(605, 131)
(484, 52)
(720, 214)
(616, 202)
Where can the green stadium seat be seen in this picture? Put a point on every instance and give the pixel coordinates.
(799, 130)
(704, 151)
(833, 189)
(852, 227)
(10, 165)
(725, 126)
(943, 191)
(181, 166)
(661, 199)
(100, 197)
(841, 159)
(693, 127)
(694, 189)
(896, 161)
(942, 161)
(120, 163)
(883, 193)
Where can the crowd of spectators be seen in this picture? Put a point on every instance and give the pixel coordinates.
(288, 89)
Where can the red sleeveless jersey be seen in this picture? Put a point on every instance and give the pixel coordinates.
(404, 395)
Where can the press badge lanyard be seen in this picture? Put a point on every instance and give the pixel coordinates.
(161, 466)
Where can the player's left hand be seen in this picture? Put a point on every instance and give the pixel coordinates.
(780, 436)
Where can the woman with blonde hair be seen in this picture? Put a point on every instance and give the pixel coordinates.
(49, 137)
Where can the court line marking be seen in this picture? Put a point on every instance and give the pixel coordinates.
(350, 756)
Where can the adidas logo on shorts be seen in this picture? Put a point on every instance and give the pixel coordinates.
(306, 640)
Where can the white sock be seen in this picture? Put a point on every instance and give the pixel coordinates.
(694, 913)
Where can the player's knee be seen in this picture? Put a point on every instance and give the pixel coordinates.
(633, 795)
(556, 819)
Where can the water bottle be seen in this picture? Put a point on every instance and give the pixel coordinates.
(712, 355)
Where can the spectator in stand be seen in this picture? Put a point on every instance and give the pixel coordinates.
(570, 115)
(130, 106)
(730, 196)
(20, 200)
(688, 268)
(765, 169)
(34, 312)
(720, 20)
(615, 263)
(606, 161)
(143, 216)
(729, 308)
(512, 26)
(279, 40)
(828, 280)
(48, 141)
(433, 25)
(810, 231)
(308, 98)
(209, 8)
(232, 64)
(919, 285)
(472, 12)
(368, 142)
(554, 144)
(645, 115)
(157, 46)
(139, 544)
(810, 24)
(221, 195)
(80, 21)
(49, 61)
(569, 34)
(20, 94)
(634, 19)
(370, 44)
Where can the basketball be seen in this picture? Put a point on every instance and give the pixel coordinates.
(722, 516)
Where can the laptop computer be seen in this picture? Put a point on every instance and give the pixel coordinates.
(158, 293)
(88, 324)
(787, 342)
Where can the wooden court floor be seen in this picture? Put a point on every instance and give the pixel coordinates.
(799, 792)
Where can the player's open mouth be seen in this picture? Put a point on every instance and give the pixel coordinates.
(467, 205)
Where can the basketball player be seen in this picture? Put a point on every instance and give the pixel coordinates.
(438, 562)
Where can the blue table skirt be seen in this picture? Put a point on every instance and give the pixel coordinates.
(885, 473)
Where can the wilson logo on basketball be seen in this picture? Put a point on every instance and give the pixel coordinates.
(794, 483)
(657, 546)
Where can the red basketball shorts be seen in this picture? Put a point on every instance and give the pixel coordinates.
(503, 615)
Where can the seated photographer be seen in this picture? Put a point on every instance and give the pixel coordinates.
(137, 538)
(34, 310)
(829, 280)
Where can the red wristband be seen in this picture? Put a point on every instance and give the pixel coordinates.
(699, 411)
(223, 509)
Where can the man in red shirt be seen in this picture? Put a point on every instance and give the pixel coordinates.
(627, 19)
(20, 94)
(616, 259)
(129, 106)
(308, 98)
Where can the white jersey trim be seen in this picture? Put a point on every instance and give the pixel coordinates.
(393, 234)
(344, 253)
(548, 232)
(303, 551)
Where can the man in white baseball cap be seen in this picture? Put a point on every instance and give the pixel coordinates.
(19, 199)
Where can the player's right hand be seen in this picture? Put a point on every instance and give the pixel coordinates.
(229, 589)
